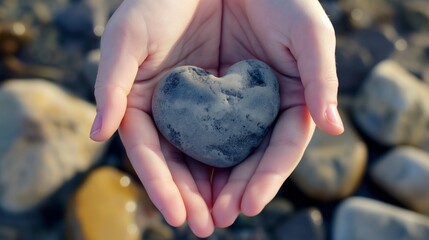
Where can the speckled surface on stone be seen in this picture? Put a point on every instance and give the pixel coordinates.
(218, 121)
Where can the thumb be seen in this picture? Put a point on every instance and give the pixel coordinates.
(116, 73)
(315, 56)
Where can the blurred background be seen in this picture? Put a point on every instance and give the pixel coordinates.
(372, 182)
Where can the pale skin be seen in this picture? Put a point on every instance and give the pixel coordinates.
(145, 38)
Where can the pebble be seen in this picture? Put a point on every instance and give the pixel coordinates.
(392, 107)
(109, 205)
(359, 218)
(44, 141)
(332, 166)
(404, 173)
(306, 224)
(218, 121)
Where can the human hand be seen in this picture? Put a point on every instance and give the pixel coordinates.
(144, 39)
(297, 40)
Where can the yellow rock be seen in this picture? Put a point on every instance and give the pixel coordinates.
(108, 205)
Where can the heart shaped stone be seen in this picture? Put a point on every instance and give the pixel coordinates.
(217, 121)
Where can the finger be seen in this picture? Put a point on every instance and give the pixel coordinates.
(313, 45)
(227, 205)
(140, 139)
(220, 179)
(122, 50)
(198, 214)
(202, 174)
(287, 144)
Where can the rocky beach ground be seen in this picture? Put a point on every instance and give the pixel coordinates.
(369, 183)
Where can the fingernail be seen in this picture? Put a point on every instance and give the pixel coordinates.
(96, 126)
(333, 116)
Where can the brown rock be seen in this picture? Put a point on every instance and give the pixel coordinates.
(44, 141)
(332, 166)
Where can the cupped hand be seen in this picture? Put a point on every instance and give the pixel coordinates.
(144, 39)
(296, 38)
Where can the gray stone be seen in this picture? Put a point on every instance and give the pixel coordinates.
(404, 173)
(366, 219)
(307, 224)
(218, 121)
(44, 141)
(392, 107)
(332, 166)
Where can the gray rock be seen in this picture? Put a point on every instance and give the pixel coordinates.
(392, 107)
(404, 173)
(365, 219)
(218, 121)
(44, 141)
(307, 224)
(332, 166)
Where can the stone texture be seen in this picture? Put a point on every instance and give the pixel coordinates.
(332, 166)
(306, 224)
(365, 219)
(218, 121)
(109, 205)
(44, 141)
(404, 173)
(392, 107)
